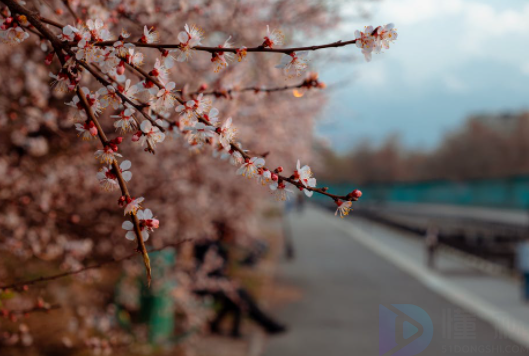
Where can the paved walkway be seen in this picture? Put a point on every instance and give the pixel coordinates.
(347, 268)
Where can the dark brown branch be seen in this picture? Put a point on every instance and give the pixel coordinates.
(298, 184)
(19, 285)
(121, 181)
(51, 22)
(36, 309)
(220, 93)
(70, 10)
(234, 50)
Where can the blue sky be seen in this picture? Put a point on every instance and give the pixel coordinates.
(452, 58)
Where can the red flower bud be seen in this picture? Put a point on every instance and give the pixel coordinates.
(49, 58)
(154, 72)
(120, 69)
(136, 136)
(279, 169)
(356, 194)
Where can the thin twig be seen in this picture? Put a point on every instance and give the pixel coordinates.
(121, 181)
(18, 285)
(70, 10)
(255, 89)
(232, 50)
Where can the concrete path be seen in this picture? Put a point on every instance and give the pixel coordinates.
(347, 268)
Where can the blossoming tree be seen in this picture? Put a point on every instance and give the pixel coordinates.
(129, 85)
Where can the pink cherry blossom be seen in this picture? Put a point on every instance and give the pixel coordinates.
(294, 63)
(250, 168)
(151, 134)
(149, 35)
(125, 122)
(304, 176)
(220, 59)
(189, 38)
(87, 131)
(108, 179)
(273, 38)
(107, 155)
(344, 207)
(280, 190)
(227, 134)
(133, 205)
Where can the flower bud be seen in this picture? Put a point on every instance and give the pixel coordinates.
(93, 131)
(49, 58)
(155, 223)
(120, 69)
(136, 136)
(154, 72)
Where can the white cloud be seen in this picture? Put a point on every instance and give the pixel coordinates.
(446, 36)
(373, 75)
(413, 12)
(455, 84)
(525, 68)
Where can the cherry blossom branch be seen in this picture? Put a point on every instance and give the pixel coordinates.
(125, 98)
(291, 180)
(307, 83)
(58, 46)
(20, 285)
(122, 184)
(34, 19)
(261, 48)
(49, 22)
(14, 314)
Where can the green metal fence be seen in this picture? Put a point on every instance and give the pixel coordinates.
(512, 192)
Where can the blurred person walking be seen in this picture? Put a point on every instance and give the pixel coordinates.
(432, 242)
(522, 259)
(233, 298)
